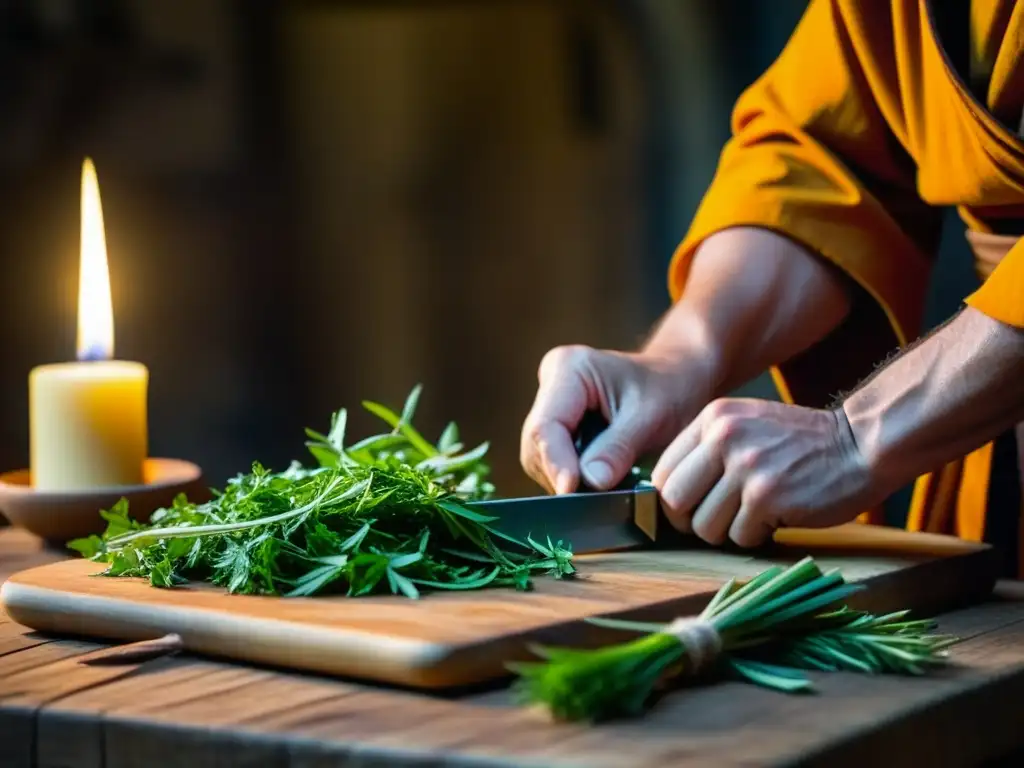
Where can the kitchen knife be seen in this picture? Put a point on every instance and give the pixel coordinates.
(627, 517)
(630, 517)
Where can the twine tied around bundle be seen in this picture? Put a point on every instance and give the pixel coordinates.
(701, 640)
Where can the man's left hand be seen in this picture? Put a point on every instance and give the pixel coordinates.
(745, 467)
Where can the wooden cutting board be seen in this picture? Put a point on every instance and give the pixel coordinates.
(452, 639)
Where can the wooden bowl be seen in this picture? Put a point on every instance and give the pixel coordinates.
(59, 516)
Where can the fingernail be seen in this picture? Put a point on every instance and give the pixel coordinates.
(599, 473)
(563, 482)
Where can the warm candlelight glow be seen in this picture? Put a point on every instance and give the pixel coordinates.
(87, 420)
(95, 308)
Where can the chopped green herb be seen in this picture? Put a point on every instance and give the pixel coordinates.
(388, 514)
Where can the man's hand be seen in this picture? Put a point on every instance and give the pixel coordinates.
(646, 399)
(752, 298)
(743, 468)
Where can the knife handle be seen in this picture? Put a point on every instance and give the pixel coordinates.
(591, 425)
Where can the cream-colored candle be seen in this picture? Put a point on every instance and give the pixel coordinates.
(89, 418)
(88, 424)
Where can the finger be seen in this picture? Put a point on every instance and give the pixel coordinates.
(684, 444)
(750, 529)
(533, 469)
(532, 455)
(557, 457)
(529, 455)
(713, 518)
(688, 483)
(547, 453)
(612, 454)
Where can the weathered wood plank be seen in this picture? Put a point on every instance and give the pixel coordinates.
(29, 677)
(194, 711)
(71, 732)
(182, 711)
(133, 744)
(727, 724)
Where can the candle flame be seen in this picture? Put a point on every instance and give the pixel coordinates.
(95, 308)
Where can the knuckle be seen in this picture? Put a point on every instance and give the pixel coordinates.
(716, 410)
(750, 459)
(724, 429)
(561, 358)
(531, 434)
(533, 445)
(759, 492)
(540, 439)
(669, 499)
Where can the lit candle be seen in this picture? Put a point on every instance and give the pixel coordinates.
(88, 419)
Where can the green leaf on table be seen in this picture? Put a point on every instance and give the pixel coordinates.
(118, 519)
(88, 547)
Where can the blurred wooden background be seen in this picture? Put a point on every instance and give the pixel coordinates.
(312, 203)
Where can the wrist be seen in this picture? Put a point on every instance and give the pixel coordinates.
(940, 400)
(864, 481)
(878, 436)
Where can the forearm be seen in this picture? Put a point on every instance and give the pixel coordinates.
(753, 299)
(940, 400)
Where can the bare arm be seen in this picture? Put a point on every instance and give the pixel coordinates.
(753, 299)
(942, 399)
(745, 467)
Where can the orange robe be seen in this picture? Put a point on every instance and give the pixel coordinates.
(851, 144)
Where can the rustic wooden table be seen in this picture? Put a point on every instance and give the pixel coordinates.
(56, 712)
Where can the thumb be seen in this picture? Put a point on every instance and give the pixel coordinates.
(612, 454)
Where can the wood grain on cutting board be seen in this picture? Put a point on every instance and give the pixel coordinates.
(457, 638)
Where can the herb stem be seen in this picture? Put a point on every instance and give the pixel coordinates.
(118, 542)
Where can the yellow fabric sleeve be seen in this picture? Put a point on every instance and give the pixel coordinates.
(1001, 296)
(818, 154)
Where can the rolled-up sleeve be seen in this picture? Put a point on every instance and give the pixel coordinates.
(817, 154)
(1001, 296)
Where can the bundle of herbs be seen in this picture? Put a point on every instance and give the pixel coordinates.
(766, 632)
(389, 513)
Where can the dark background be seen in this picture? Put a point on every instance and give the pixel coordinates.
(312, 203)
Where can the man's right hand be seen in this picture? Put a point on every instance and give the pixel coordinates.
(646, 398)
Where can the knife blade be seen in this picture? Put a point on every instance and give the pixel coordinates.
(626, 517)
(592, 521)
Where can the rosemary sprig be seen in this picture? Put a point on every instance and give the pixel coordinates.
(766, 632)
(386, 514)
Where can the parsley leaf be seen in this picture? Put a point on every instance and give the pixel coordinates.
(387, 514)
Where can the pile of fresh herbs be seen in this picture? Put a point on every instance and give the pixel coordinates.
(386, 514)
(767, 631)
